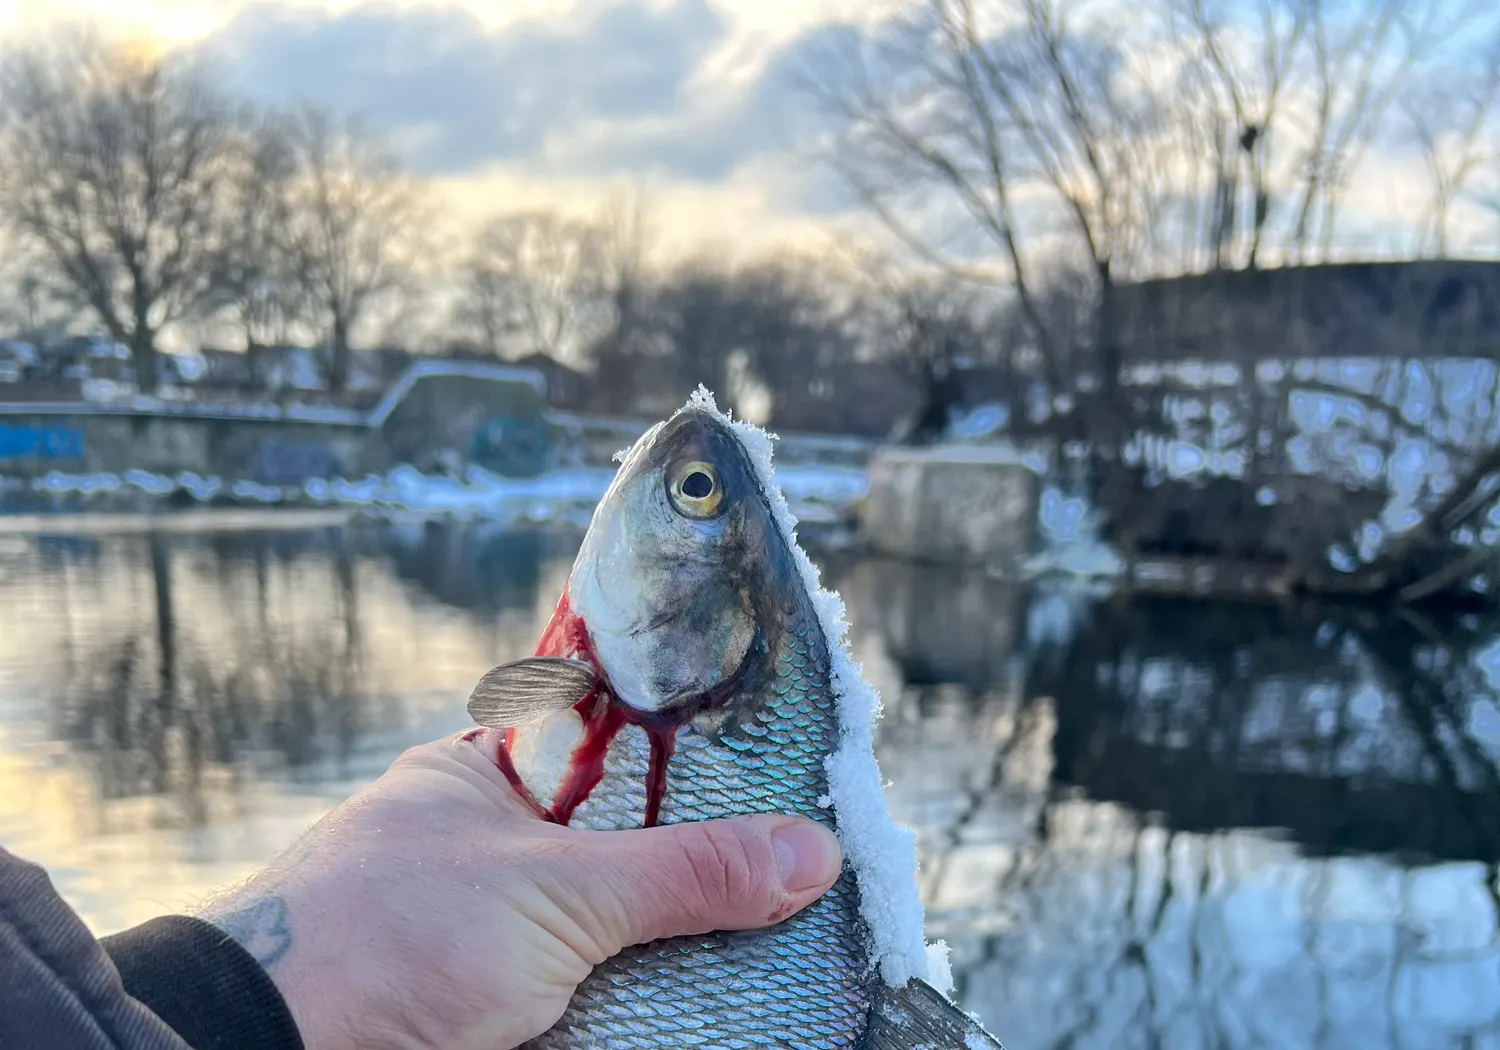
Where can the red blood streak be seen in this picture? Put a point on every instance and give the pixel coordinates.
(566, 636)
(502, 759)
(587, 767)
(663, 740)
(603, 715)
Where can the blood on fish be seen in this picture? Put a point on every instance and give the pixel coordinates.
(508, 768)
(566, 635)
(587, 767)
(663, 740)
(603, 715)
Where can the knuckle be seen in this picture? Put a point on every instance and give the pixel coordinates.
(415, 755)
(731, 866)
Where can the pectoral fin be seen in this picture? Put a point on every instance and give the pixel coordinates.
(529, 690)
(917, 1016)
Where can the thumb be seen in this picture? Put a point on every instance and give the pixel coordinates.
(694, 878)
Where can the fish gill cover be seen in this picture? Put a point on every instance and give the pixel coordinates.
(882, 854)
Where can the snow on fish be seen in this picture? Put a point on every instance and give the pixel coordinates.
(694, 668)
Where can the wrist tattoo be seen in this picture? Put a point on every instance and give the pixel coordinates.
(260, 928)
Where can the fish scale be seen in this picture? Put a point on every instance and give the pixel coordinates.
(808, 981)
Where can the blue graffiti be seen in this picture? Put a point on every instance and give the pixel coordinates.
(28, 441)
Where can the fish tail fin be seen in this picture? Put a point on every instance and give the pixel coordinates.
(917, 1015)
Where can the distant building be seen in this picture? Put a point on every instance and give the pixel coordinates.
(866, 398)
(226, 370)
(183, 369)
(567, 388)
(283, 368)
(304, 368)
(86, 357)
(1430, 308)
(18, 360)
(647, 387)
(378, 368)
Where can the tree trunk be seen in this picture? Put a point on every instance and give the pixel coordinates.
(1102, 415)
(1107, 339)
(338, 374)
(143, 357)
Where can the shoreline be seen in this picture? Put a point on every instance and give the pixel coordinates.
(194, 519)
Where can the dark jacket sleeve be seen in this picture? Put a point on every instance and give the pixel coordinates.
(170, 984)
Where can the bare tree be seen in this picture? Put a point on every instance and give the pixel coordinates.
(1453, 126)
(1021, 120)
(929, 322)
(355, 223)
(535, 282)
(34, 300)
(1363, 56)
(625, 265)
(1000, 140)
(256, 276)
(115, 169)
(1247, 69)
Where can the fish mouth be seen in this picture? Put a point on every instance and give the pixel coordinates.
(603, 714)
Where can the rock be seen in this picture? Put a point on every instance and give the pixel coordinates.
(955, 504)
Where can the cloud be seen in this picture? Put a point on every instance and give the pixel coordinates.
(461, 96)
(770, 113)
(558, 109)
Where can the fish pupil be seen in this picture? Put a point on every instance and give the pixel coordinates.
(697, 485)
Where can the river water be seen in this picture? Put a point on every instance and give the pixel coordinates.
(1142, 824)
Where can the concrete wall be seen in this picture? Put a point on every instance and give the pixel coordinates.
(953, 504)
(440, 414)
(269, 452)
(439, 417)
(595, 439)
(1432, 308)
(497, 423)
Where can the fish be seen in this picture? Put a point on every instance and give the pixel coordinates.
(694, 668)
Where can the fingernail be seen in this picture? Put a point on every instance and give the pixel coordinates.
(807, 855)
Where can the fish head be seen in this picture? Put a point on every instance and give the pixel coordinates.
(680, 591)
(674, 579)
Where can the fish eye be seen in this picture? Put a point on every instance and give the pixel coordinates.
(695, 490)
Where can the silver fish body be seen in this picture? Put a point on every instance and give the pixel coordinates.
(688, 650)
(808, 982)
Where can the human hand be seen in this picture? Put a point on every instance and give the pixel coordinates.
(434, 910)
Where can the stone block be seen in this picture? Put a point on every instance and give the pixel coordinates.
(964, 504)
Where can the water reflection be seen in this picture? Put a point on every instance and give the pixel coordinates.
(1171, 824)
(1142, 824)
(472, 567)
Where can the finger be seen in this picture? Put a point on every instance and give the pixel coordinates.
(698, 877)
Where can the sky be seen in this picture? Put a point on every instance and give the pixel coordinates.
(509, 104)
(514, 103)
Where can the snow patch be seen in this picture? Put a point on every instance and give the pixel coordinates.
(819, 492)
(981, 421)
(939, 967)
(1093, 560)
(882, 854)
